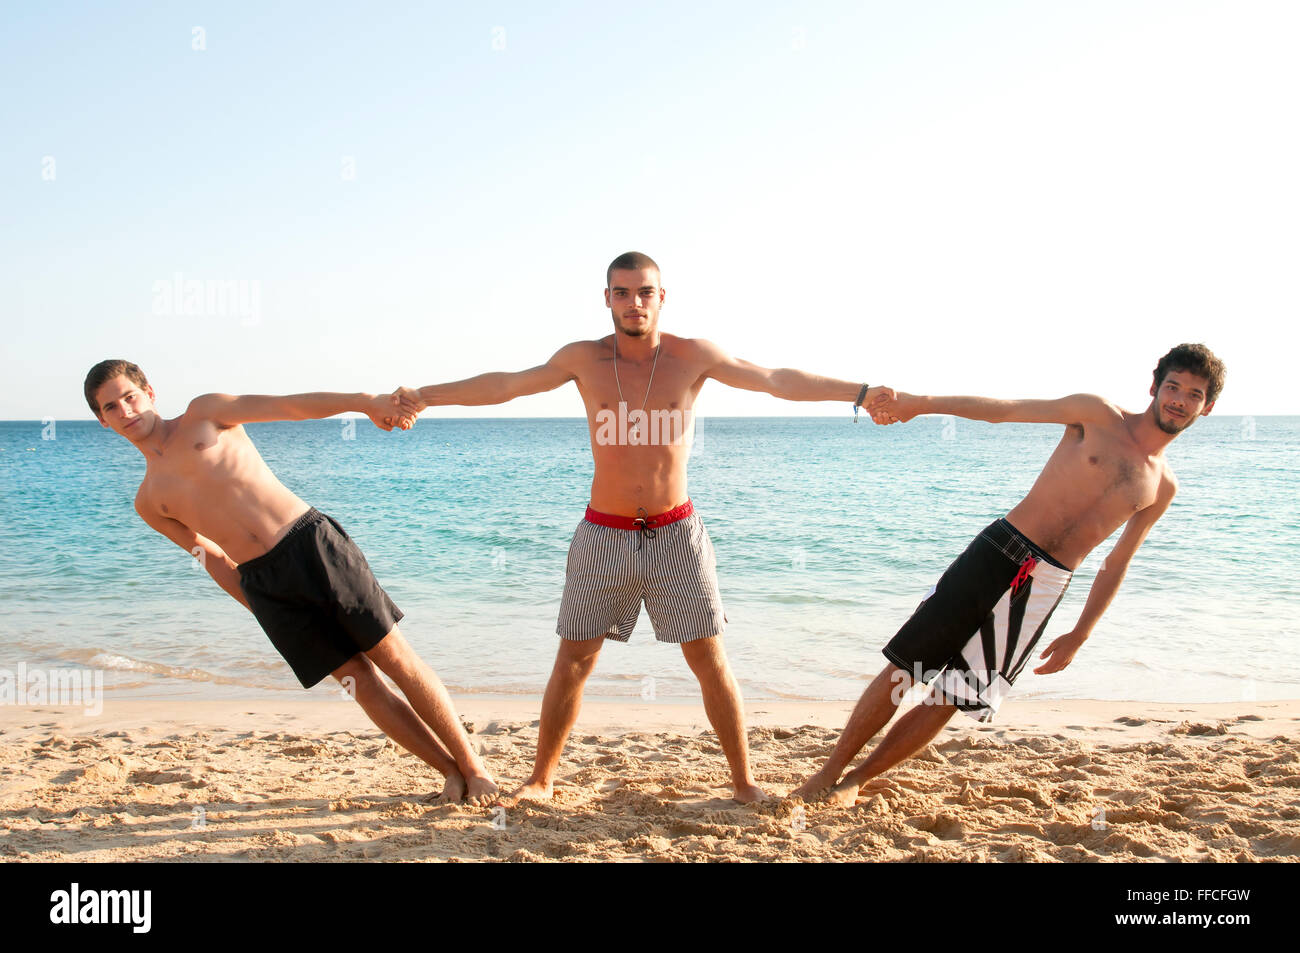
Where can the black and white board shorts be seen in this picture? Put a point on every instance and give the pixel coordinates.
(617, 563)
(977, 626)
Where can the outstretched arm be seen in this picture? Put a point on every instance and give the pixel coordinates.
(784, 382)
(494, 388)
(211, 557)
(229, 410)
(1075, 409)
(1062, 650)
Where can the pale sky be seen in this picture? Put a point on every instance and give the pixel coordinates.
(1017, 199)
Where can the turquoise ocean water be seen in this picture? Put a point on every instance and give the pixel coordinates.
(827, 534)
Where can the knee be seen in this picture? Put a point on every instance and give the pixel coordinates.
(893, 681)
(580, 657)
(704, 655)
(394, 656)
(356, 675)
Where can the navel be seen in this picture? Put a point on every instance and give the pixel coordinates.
(163, 507)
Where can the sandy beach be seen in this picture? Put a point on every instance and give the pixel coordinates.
(309, 780)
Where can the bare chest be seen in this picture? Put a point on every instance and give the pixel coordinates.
(1119, 480)
(671, 386)
(184, 475)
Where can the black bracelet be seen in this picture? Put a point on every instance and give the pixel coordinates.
(857, 404)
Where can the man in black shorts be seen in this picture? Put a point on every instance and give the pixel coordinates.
(974, 632)
(207, 489)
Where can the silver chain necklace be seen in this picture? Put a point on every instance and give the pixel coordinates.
(636, 428)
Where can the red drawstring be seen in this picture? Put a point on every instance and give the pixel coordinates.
(1026, 570)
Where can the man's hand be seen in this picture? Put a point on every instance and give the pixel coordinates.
(892, 407)
(385, 415)
(874, 402)
(1060, 653)
(408, 401)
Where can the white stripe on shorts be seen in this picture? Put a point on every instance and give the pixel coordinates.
(994, 656)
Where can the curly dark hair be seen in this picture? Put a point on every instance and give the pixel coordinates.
(1194, 359)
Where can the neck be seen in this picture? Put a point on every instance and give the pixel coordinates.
(637, 348)
(1148, 435)
(153, 443)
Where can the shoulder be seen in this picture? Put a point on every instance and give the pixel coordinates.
(1168, 483)
(142, 498)
(147, 510)
(1096, 409)
(209, 408)
(700, 348)
(1084, 413)
(576, 355)
(205, 406)
(581, 350)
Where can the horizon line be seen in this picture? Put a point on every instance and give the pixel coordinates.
(358, 416)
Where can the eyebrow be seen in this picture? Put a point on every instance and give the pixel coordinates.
(117, 398)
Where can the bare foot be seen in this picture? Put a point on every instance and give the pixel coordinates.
(844, 794)
(532, 791)
(816, 786)
(749, 794)
(453, 789)
(482, 790)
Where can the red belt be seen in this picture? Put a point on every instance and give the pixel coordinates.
(640, 522)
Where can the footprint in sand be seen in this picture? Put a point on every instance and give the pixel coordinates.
(1131, 721)
(942, 826)
(1198, 728)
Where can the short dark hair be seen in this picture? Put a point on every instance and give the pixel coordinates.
(105, 371)
(1194, 359)
(629, 261)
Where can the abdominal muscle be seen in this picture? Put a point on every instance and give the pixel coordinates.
(225, 493)
(628, 479)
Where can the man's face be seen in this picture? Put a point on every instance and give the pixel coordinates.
(1179, 400)
(126, 408)
(634, 298)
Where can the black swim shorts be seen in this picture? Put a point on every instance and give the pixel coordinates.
(315, 597)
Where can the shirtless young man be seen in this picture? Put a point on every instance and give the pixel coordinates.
(976, 628)
(641, 539)
(207, 489)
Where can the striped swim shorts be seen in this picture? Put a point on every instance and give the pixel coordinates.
(616, 563)
(977, 627)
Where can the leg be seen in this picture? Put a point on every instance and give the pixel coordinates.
(427, 696)
(873, 711)
(394, 717)
(725, 708)
(913, 732)
(560, 706)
